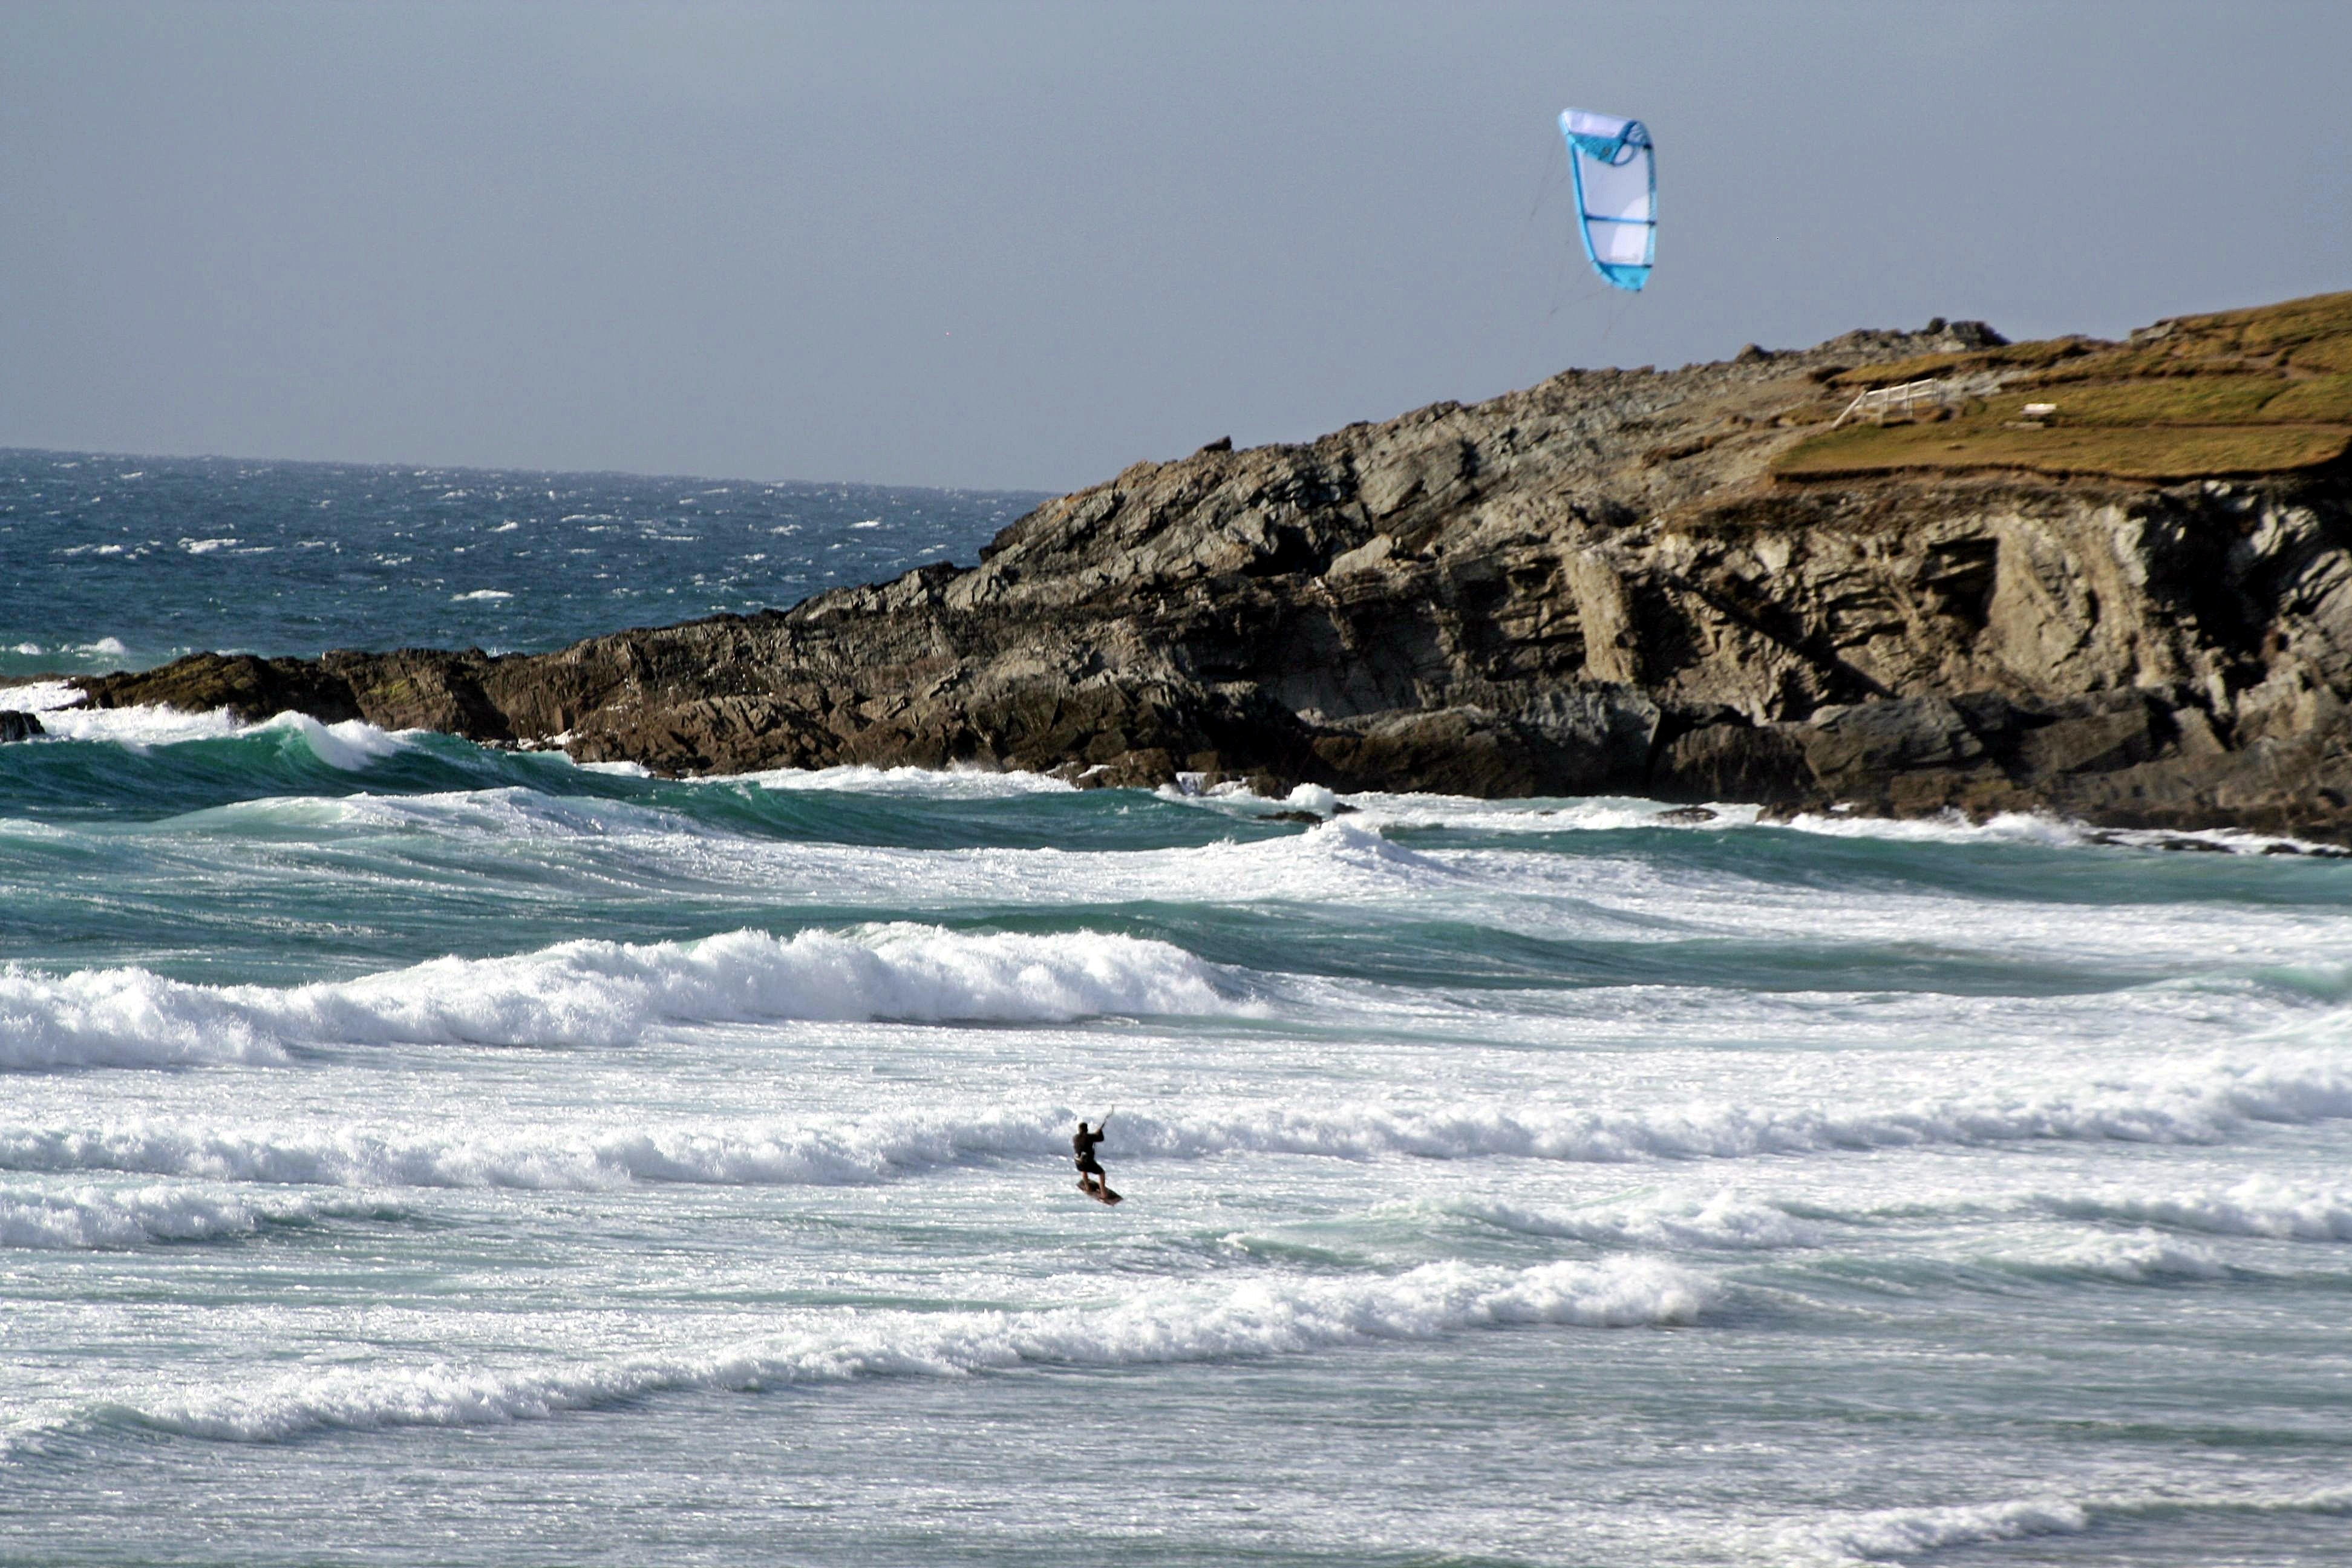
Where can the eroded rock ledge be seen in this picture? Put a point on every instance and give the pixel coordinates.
(1593, 586)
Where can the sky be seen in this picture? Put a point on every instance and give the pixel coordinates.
(1022, 246)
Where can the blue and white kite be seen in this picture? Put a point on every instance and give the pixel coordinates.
(1616, 194)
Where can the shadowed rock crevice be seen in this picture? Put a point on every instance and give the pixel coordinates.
(1596, 585)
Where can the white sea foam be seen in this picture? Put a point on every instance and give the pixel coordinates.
(1602, 814)
(1727, 1220)
(1359, 849)
(104, 647)
(140, 727)
(1314, 798)
(90, 1217)
(2131, 1259)
(350, 746)
(2257, 1206)
(956, 784)
(480, 594)
(1338, 861)
(817, 1151)
(907, 1140)
(1165, 1324)
(1593, 813)
(2045, 832)
(604, 993)
(1898, 1532)
(39, 695)
(506, 815)
(2200, 1101)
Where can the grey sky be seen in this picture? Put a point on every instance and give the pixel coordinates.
(1024, 244)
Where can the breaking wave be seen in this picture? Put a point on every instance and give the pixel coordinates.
(350, 746)
(2139, 1259)
(1895, 1533)
(822, 1152)
(2193, 1102)
(1726, 1221)
(2257, 1206)
(1260, 1318)
(1898, 1532)
(2202, 1106)
(95, 1218)
(604, 993)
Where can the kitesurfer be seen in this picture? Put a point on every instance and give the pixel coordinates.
(1082, 1151)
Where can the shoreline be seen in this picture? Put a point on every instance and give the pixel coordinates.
(1615, 582)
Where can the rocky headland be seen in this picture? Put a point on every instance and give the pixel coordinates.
(2130, 602)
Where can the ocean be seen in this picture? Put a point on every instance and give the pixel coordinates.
(412, 1152)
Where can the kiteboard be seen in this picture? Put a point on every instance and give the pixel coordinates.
(1102, 1195)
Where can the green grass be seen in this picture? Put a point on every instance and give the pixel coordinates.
(2232, 392)
(2269, 329)
(2326, 398)
(2177, 452)
(2333, 354)
(2168, 400)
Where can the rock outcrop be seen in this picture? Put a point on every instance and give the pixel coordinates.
(1596, 585)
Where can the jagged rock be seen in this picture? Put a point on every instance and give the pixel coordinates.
(251, 688)
(1765, 763)
(15, 726)
(1593, 584)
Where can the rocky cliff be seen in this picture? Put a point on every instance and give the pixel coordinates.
(1683, 585)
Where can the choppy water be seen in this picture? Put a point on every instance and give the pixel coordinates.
(131, 562)
(410, 1153)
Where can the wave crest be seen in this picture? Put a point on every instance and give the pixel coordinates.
(2257, 1206)
(1726, 1221)
(349, 746)
(94, 1218)
(1256, 1319)
(605, 993)
(1898, 1532)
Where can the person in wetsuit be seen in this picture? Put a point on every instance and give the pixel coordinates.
(1082, 1152)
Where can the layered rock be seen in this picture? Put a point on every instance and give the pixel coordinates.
(1596, 585)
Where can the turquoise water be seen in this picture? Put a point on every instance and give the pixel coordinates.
(412, 1152)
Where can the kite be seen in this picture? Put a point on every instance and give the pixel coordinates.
(1616, 194)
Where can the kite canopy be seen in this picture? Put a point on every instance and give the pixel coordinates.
(1616, 194)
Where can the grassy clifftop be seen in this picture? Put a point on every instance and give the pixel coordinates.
(2241, 392)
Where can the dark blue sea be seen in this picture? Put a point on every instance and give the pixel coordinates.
(118, 562)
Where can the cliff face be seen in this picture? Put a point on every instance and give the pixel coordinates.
(1599, 583)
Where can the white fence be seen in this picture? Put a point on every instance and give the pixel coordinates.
(1907, 400)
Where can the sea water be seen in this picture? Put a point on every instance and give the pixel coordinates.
(414, 1152)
